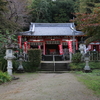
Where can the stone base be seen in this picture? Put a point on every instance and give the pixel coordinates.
(20, 70)
(87, 71)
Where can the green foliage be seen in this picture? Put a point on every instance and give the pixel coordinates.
(91, 80)
(52, 12)
(76, 58)
(80, 66)
(85, 6)
(89, 24)
(4, 77)
(3, 62)
(77, 66)
(34, 60)
(94, 65)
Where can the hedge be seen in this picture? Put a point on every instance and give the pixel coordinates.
(34, 60)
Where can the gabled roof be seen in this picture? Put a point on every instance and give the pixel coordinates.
(52, 29)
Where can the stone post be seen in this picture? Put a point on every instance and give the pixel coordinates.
(70, 54)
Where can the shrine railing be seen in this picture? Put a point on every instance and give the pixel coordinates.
(94, 56)
(56, 57)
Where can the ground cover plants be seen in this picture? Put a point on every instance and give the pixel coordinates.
(81, 65)
(4, 77)
(91, 80)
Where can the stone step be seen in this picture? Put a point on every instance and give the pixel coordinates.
(54, 67)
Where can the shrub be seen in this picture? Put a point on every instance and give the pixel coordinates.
(3, 62)
(34, 60)
(4, 77)
(77, 66)
(76, 58)
(80, 66)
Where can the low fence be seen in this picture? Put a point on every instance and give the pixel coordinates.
(94, 56)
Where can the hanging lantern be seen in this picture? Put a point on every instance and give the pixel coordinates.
(70, 46)
(60, 49)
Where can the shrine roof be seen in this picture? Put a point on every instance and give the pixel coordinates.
(51, 29)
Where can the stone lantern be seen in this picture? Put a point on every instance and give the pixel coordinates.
(20, 59)
(87, 59)
(9, 57)
(10, 54)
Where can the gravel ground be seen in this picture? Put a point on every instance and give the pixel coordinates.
(46, 86)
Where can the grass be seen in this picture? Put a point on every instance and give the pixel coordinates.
(91, 80)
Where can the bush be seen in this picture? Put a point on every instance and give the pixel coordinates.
(80, 66)
(34, 60)
(77, 66)
(94, 65)
(3, 62)
(76, 58)
(4, 77)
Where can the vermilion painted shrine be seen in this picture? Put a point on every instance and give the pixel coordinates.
(53, 38)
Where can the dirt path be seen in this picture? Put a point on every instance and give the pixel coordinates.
(41, 86)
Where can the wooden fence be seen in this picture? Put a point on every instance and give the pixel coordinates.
(94, 56)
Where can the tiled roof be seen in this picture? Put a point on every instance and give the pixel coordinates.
(51, 29)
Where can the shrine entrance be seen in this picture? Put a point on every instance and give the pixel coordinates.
(52, 49)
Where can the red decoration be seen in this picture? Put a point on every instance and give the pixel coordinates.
(39, 47)
(60, 49)
(25, 47)
(28, 46)
(20, 41)
(70, 46)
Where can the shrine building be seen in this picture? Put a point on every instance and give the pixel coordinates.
(51, 38)
(57, 41)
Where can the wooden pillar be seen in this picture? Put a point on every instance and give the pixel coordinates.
(99, 47)
(44, 47)
(76, 44)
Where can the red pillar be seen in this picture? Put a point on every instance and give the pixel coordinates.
(44, 47)
(25, 47)
(20, 41)
(76, 44)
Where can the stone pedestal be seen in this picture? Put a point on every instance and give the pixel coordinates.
(9, 56)
(9, 67)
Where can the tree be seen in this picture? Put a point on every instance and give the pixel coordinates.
(18, 12)
(89, 24)
(85, 6)
(40, 11)
(63, 11)
(52, 11)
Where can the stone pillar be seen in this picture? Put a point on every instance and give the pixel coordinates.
(70, 55)
(9, 67)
